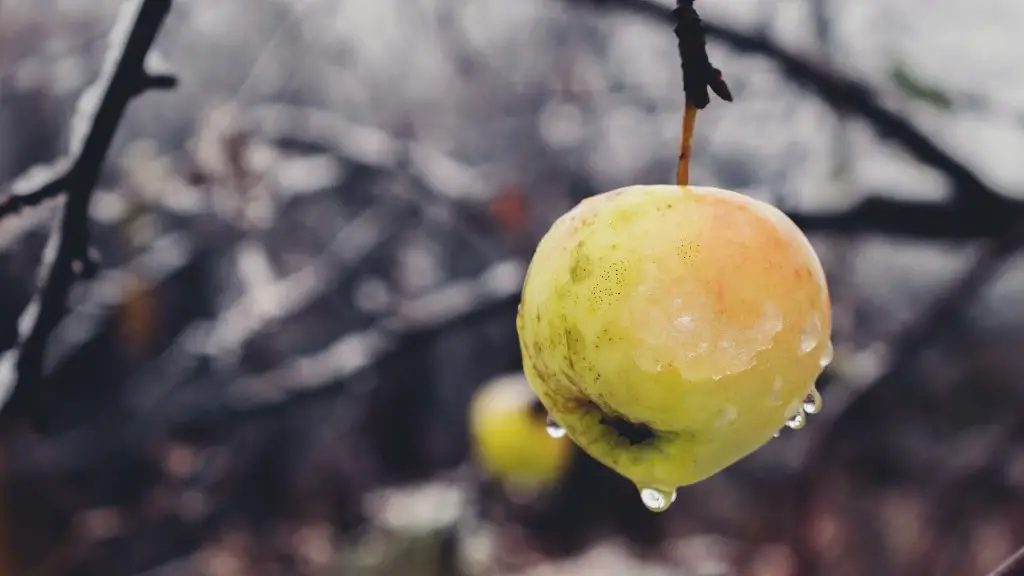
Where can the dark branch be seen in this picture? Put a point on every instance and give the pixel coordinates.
(24, 195)
(124, 77)
(977, 210)
(975, 201)
(308, 377)
(852, 97)
(845, 411)
(698, 73)
(923, 220)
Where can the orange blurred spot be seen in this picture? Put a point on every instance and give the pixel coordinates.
(510, 209)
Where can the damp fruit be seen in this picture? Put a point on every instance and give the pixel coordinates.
(671, 331)
(509, 437)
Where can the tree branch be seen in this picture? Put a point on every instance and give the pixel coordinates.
(98, 114)
(699, 76)
(922, 220)
(25, 193)
(980, 210)
(977, 210)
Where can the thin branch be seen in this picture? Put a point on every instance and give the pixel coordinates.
(929, 325)
(365, 146)
(244, 319)
(97, 117)
(842, 415)
(978, 204)
(910, 219)
(25, 193)
(699, 76)
(841, 418)
(458, 303)
(977, 209)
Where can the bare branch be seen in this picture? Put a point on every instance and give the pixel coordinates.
(977, 211)
(35, 186)
(97, 116)
(457, 303)
(924, 220)
(979, 207)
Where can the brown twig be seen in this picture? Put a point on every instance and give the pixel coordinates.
(698, 77)
(686, 145)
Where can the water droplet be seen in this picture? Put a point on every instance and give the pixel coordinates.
(827, 355)
(812, 403)
(555, 429)
(657, 500)
(797, 421)
(811, 334)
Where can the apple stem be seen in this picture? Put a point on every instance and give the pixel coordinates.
(686, 144)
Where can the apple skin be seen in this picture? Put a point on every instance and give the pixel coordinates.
(509, 439)
(698, 314)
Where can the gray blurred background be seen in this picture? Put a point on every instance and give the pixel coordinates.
(311, 251)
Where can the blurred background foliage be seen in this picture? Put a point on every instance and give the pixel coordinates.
(311, 252)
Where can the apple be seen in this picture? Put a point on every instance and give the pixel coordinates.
(673, 330)
(509, 438)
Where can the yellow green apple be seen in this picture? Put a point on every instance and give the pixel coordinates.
(671, 330)
(509, 439)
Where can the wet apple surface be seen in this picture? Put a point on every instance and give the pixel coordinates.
(671, 331)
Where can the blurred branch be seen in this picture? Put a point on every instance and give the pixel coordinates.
(844, 409)
(223, 338)
(978, 210)
(1014, 562)
(306, 377)
(456, 304)
(945, 309)
(268, 303)
(925, 220)
(97, 116)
